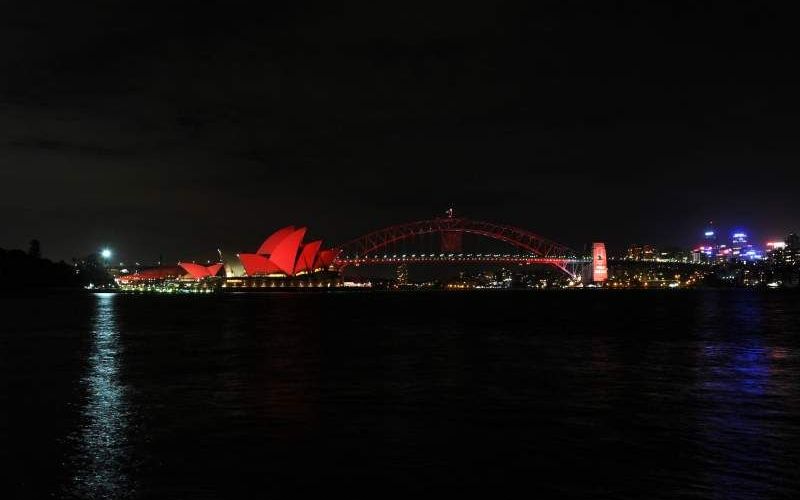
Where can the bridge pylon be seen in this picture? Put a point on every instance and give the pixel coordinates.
(597, 272)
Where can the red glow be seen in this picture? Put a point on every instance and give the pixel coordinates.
(517, 237)
(600, 265)
(157, 273)
(272, 241)
(285, 253)
(325, 258)
(255, 264)
(307, 257)
(363, 247)
(195, 271)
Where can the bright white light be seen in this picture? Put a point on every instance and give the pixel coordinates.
(106, 253)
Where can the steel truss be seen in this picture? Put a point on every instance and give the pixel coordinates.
(544, 251)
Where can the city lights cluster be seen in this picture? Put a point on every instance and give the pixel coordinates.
(740, 249)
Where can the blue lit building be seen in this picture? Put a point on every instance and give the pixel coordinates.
(742, 250)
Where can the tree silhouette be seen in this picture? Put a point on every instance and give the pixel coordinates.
(35, 249)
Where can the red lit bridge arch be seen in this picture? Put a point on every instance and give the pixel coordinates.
(537, 250)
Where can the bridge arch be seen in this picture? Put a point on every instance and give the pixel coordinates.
(557, 254)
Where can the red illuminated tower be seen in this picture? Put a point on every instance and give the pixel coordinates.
(599, 263)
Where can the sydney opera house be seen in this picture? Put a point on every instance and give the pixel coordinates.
(282, 260)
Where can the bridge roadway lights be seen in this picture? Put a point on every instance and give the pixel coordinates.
(572, 267)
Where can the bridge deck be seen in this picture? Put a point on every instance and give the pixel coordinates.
(459, 258)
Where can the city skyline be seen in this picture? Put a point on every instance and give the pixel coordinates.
(721, 236)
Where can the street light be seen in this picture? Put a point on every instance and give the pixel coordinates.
(106, 253)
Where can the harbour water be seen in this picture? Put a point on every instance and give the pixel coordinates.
(597, 394)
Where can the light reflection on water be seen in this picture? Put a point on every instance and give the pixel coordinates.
(674, 395)
(740, 392)
(102, 442)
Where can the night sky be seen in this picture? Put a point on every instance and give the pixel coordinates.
(174, 128)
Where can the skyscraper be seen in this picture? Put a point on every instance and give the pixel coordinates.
(792, 251)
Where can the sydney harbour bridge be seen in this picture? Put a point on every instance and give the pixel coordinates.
(380, 247)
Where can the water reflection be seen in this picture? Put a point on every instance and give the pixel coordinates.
(100, 468)
(737, 388)
(291, 372)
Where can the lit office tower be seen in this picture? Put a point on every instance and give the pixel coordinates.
(711, 237)
(793, 249)
(739, 239)
(738, 245)
(776, 251)
(634, 252)
(742, 250)
(709, 249)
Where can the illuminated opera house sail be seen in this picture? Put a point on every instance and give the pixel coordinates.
(283, 254)
(283, 259)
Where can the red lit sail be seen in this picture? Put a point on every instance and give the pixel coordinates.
(195, 271)
(307, 257)
(255, 264)
(213, 269)
(157, 273)
(285, 253)
(272, 241)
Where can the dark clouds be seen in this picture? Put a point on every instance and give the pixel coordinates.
(175, 128)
